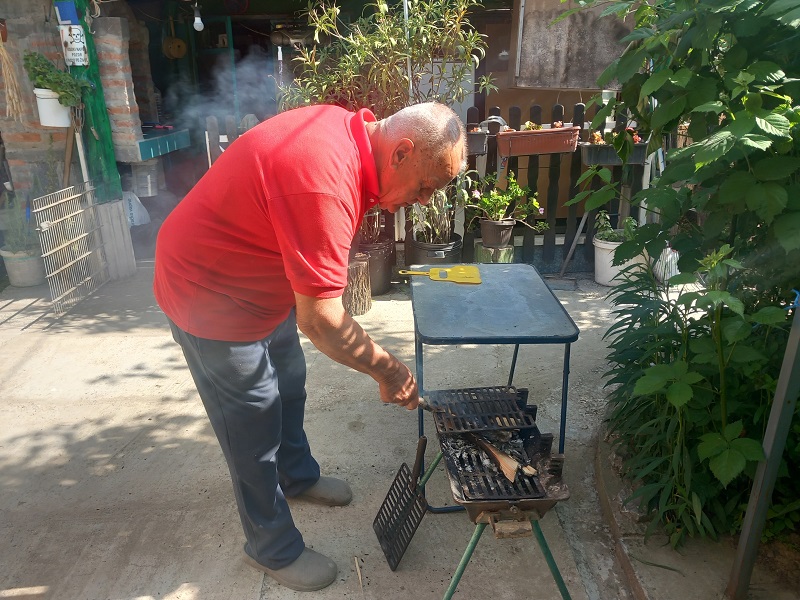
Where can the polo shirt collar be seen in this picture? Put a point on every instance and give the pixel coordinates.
(368, 168)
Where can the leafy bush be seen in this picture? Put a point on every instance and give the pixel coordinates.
(604, 231)
(495, 204)
(694, 363)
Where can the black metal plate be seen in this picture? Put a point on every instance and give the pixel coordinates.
(399, 516)
(478, 409)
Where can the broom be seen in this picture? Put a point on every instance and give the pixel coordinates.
(13, 100)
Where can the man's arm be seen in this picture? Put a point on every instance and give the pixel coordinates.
(336, 334)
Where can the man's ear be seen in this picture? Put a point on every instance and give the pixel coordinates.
(402, 151)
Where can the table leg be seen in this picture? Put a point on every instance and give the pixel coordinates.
(418, 360)
(476, 536)
(513, 364)
(551, 563)
(564, 388)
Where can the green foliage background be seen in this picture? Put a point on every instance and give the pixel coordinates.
(694, 362)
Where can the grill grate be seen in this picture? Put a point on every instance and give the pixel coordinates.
(479, 479)
(399, 516)
(478, 409)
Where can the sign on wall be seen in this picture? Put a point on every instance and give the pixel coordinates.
(73, 43)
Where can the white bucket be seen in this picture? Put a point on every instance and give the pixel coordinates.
(51, 112)
(604, 270)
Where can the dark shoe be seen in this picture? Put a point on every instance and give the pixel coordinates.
(311, 571)
(328, 491)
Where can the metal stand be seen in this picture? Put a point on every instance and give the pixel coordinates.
(473, 543)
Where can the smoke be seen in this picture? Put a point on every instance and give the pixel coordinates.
(249, 83)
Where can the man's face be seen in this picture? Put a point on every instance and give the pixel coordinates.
(413, 177)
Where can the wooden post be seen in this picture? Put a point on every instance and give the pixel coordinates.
(554, 174)
(96, 132)
(529, 237)
(574, 173)
(357, 299)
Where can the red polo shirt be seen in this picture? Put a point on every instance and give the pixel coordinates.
(275, 214)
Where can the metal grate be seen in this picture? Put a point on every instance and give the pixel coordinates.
(479, 479)
(478, 409)
(69, 232)
(399, 516)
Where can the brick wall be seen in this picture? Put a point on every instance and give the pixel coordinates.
(33, 152)
(111, 37)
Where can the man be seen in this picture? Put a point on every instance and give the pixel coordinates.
(259, 248)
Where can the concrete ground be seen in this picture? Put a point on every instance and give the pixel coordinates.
(115, 488)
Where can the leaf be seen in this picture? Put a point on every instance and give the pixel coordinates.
(679, 393)
(734, 188)
(769, 315)
(775, 167)
(654, 82)
(711, 445)
(667, 112)
(697, 508)
(683, 279)
(751, 449)
(746, 354)
(716, 107)
(787, 230)
(766, 200)
(733, 430)
(774, 124)
(779, 7)
(713, 147)
(681, 77)
(756, 141)
(735, 330)
(767, 71)
(727, 465)
(718, 297)
(648, 385)
(637, 34)
(599, 198)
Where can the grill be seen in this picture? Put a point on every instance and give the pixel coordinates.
(501, 417)
(480, 409)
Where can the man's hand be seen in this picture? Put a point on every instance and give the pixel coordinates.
(399, 387)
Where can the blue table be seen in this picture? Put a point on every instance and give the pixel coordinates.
(512, 305)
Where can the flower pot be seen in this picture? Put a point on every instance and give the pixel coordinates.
(51, 112)
(496, 234)
(476, 143)
(24, 269)
(381, 261)
(424, 253)
(604, 154)
(604, 269)
(539, 141)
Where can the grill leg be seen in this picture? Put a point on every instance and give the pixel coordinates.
(537, 531)
(479, 527)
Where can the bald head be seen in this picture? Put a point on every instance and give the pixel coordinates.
(434, 128)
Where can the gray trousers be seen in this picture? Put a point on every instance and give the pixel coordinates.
(254, 394)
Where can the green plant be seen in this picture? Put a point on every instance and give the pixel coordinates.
(694, 362)
(496, 204)
(604, 231)
(377, 62)
(44, 74)
(19, 234)
(433, 222)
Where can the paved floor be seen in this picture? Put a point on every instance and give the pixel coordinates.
(114, 487)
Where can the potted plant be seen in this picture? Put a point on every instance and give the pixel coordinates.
(498, 210)
(609, 149)
(432, 239)
(379, 249)
(21, 251)
(555, 138)
(55, 90)
(606, 241)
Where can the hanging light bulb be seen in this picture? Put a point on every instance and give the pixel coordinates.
(198, 22)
